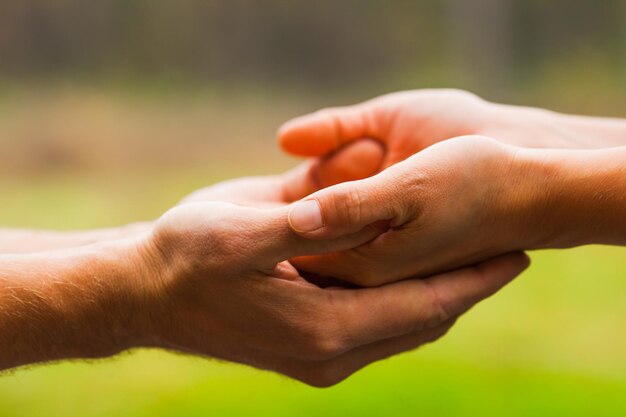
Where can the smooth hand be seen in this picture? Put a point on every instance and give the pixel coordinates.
(408, 122)
(462, 201)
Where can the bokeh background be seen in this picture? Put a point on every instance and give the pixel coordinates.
(112, 110)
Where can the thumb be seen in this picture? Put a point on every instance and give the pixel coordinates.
(319, 133)
(268, 239)
(347, 208)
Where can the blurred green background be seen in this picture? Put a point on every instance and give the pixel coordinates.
(110, 111)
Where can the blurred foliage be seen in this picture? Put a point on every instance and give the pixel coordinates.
(493, 46)
(108, 84)
(111, 111)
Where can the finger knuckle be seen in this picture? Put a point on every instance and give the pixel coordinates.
(317, 338)
(323, 346)
(349, 206)
(334, 116)
(440, 311)
(323, 375)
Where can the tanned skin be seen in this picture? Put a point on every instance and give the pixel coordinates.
(427, 197)
(213, 279)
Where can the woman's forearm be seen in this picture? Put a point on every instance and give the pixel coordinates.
(15, 241)
(601, 131)
(539, 128)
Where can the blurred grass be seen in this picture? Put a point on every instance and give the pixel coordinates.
(551, 344)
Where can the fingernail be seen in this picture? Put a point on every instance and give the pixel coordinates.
(305, 216)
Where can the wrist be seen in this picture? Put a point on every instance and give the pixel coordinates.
(572, 197)
(109, 300)
(531, 127)
(158, 264)
(594, 132)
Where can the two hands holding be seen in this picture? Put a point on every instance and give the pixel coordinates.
(415, 207)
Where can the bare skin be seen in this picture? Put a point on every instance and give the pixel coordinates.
(215, 279)
(454, 201)
(410, 121)
(14, 241)
(360, 160)
(464, 200)
(212, 279)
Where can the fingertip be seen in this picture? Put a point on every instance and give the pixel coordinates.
(506, 267)
(520, 260)
(305, 136)
(526, 261)
(305, 216)
(285, 136)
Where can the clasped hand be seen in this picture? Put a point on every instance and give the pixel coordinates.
(413, 208)
(421, 201)
(229, 274)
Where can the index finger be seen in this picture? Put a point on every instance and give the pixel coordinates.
(319, 133)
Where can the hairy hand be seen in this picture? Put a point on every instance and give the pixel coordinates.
(216, 282)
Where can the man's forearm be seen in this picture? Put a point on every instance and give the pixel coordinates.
(72, 304)
(14, 241)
